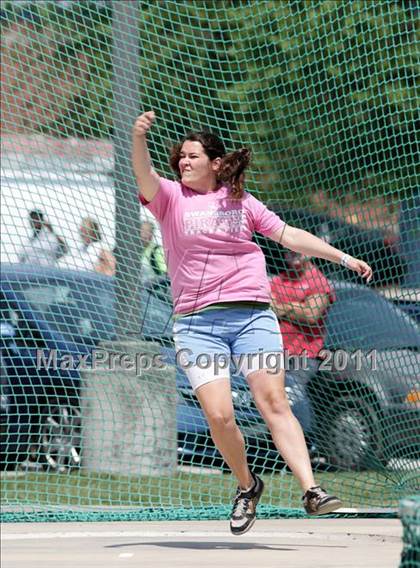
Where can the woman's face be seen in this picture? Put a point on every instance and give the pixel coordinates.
(295, 261)
(36, 223)
(146, 233)
(86, 233)
(197, 170)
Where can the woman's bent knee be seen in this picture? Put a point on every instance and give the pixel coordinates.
(273, 407)
(221, 421)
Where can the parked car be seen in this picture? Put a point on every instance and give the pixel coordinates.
(366, 398)
(363, 407)
(45, 310)
(371, 245)
(353, 415)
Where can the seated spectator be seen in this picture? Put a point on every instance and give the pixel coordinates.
(44, 247)
(300, 298)
(152, 257)
(92, 255)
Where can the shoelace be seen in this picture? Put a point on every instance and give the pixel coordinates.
(321, 492)
(240, 505)
(317, 493)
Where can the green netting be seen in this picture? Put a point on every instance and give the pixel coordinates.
(324, 93)
(409, 513)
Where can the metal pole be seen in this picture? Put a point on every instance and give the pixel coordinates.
(126, 78)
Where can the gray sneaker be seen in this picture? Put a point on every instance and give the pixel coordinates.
(245, 507)
(316, 501)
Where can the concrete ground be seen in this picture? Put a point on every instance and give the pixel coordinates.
(296, 543)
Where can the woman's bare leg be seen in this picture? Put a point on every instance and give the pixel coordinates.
(216, 401)
(271, 400)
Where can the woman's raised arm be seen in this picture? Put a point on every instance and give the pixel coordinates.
(146, 177)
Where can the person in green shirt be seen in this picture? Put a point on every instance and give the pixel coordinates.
(152, 258)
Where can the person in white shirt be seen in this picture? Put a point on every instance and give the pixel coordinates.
(92, 256)
(44, 246)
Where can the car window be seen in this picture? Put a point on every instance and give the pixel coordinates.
(362, 320)
(83, 311)
(26, 333)
(79, 312)
(156, 315)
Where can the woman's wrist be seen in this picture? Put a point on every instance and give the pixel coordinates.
(344, 260)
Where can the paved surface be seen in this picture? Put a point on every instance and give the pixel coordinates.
(314, 543)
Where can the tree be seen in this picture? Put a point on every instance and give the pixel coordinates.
(328, 95)
(324, 92)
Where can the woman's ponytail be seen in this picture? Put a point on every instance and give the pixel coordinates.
(232, 170)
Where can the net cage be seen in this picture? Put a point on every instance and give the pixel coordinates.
(409, 513)
(93, 426)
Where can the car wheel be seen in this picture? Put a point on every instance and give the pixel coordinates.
(61, 438)
(349, 436)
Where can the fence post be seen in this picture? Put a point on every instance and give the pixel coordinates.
(126, 79)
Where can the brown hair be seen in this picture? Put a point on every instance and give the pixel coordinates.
(233, 165)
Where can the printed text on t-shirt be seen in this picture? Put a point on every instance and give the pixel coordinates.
(213, 220)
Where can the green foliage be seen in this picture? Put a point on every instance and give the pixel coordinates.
(323, 91)
(85, 30)
(332, 96)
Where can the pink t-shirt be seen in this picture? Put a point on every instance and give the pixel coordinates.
(208, 245)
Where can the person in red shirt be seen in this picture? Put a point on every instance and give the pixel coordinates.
(301, 297)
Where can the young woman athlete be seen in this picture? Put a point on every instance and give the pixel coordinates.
(222, 300)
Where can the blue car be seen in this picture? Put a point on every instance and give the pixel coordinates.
(45, 310)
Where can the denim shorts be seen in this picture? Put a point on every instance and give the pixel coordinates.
(209, 343)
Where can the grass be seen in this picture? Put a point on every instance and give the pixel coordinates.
(184, 489)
